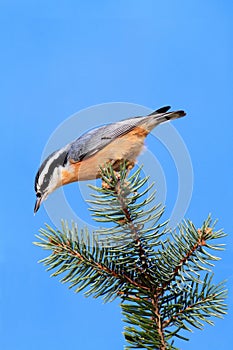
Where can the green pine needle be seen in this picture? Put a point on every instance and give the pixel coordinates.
(163, 279)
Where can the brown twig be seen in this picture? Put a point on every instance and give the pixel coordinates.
(129, 221)
(158, 321)
(102, 268)
(200, 242)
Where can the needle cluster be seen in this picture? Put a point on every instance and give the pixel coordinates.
(163, 279)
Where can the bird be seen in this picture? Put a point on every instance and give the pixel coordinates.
(83, 158)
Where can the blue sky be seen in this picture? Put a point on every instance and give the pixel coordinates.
(59, 57)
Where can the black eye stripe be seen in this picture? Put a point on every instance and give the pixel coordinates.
(61, 160)
(42, 168)
(38, 194)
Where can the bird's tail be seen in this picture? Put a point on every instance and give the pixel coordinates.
(161, 115)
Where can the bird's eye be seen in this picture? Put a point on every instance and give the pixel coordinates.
(38, 194)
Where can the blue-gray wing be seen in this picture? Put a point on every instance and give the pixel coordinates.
(95, 140)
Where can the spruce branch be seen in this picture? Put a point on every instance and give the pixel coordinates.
(83, 262)
(163, 279)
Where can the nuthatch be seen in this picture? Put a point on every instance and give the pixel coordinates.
(81, 159)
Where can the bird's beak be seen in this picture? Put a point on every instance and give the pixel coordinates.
(37, 204)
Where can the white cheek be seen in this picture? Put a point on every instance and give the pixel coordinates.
(55, 180)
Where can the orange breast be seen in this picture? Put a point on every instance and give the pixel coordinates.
(127, 147)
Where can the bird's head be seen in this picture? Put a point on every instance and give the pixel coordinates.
(48, 177)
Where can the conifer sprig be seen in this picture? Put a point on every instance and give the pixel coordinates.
(163, 279)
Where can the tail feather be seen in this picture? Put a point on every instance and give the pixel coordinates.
(160, 116)
(160, 110)
(174, 115)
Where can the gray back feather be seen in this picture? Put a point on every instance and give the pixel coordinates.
(95, 140)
